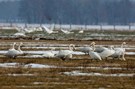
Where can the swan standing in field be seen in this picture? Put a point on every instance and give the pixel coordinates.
(103, 51)
(12, 52)
(107, 52)
(100, 49)
(66, 54)
(94, 55)
(119, 52)
(20, 52)
(86, 49)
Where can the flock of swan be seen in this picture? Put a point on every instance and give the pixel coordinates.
(95, 52)
(22, 31)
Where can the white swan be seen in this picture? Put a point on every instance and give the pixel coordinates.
(100, 49)
(20, 52)
(107, 52)
(119, 52)
(12, 52)
(52, 29)
(20, 34)
(64, 54)
(81, 31)
(85, 49)
(49, 54)
(66, 31)
(103, 51)
(27, 30)
(47, 30)
(94, 55)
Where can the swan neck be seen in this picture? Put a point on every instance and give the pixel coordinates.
(52, 50)
(122, 45)
(19, 48)
(71, 46)
(13, 47)
(93, 47)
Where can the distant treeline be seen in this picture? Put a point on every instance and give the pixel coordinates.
(77, 11)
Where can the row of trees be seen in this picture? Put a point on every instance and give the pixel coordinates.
(78, 11)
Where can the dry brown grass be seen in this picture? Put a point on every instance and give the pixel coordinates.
(51, 78)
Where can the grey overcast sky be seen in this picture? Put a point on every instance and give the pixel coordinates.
(9, 0)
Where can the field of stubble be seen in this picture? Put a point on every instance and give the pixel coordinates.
(78, 73)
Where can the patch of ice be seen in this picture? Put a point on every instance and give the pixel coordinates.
(20, 74)
(99, 68)
(8, 64)
(2, 52)
(130, 53)
(130, 48)
(24, 86)
(31, 65)
(102, 68)
(36, 83)
(78, 73)
(33, 56)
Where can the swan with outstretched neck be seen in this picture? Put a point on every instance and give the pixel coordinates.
(12, 52)
(20, 52)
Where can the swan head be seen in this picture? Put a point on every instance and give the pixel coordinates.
(111, 47)
(73, 47)
(124, 43)
(14, 43)
(93, 43)
(52, 49)
(21, 43)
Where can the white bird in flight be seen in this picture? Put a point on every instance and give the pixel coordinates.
(49, 31)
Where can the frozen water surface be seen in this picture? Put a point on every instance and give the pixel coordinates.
(21, 74)
(31, 65)
(79, 73)
(34, 65)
